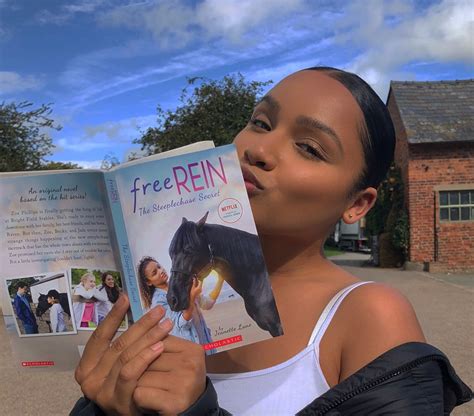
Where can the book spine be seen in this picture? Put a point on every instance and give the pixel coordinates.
(131, 286)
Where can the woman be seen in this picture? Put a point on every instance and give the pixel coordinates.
(188, 324)
(56, 312)
(83, 302)
(314, 151)
(106, 295)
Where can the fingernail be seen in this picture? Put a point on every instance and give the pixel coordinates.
(156, 312)
(166, 324)
(157, 347)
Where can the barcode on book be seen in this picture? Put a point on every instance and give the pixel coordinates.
(37, 363)
(223, 342)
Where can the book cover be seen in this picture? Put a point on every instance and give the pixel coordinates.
(188, 220)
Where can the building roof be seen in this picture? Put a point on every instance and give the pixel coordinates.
(436, 111)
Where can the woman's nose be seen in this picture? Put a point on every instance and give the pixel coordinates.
(262, 153)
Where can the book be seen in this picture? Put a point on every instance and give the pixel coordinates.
(173, 229)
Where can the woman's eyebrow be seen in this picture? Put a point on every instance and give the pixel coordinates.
(315, 124)
(272, 103)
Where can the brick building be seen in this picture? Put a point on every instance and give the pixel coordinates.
(434, 124)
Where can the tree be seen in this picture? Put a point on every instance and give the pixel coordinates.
(388, 220)
(24, 141)
(58, 165)
(216, 110)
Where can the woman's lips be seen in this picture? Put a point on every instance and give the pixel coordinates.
(252, 184)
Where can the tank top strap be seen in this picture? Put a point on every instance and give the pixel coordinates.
(329, 312)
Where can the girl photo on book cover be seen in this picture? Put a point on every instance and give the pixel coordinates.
(94, 293)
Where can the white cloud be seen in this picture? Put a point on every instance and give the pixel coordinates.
(174, 24)
(105, 136)
(235, 18)
(84, 72)
(395, 34)
(304, 57)
(79, 75)
(11, 82)
(68, 11)
(79, 145)
(120, 131)
(288, 34)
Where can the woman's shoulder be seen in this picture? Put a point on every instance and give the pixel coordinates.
(377, 297)
(374, 317)
(159, 295)
(79, 288)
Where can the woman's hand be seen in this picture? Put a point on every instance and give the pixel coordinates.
(175, 380)
(196, 289)
(108, 371)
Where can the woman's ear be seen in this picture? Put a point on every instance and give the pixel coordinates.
(360, 205)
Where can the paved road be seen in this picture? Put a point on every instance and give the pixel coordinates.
(444, 305)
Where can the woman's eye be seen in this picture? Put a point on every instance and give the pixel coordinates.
(309, 151)
(260, 124)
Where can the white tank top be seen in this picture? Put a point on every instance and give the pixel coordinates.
(283, 389)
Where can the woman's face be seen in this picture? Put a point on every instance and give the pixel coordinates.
(89, 283)
(109, 281)
(303, 150)
(155, 274)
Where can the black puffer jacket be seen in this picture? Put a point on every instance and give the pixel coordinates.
(413, 379)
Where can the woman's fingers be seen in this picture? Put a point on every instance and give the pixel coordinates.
(100, 339)
(196, 288)
(140, 329)
(122, 380)
(100, 355)
(129, 366)
(130, 373)
(151, 337)
(177, 354)
(179, 379)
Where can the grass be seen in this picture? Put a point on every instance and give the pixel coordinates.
(332, 251)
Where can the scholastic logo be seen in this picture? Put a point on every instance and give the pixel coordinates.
(223, 342)
(37, 363)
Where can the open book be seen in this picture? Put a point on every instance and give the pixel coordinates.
(174, 229)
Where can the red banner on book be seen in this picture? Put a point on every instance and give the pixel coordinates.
(37, 363)
(223, 342)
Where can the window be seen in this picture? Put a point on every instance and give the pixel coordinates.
(456, 205)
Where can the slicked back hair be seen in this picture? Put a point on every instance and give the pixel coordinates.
(377, 133)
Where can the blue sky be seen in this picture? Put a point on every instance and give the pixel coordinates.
(106, 64)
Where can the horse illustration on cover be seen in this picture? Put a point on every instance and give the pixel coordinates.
(197, 248)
